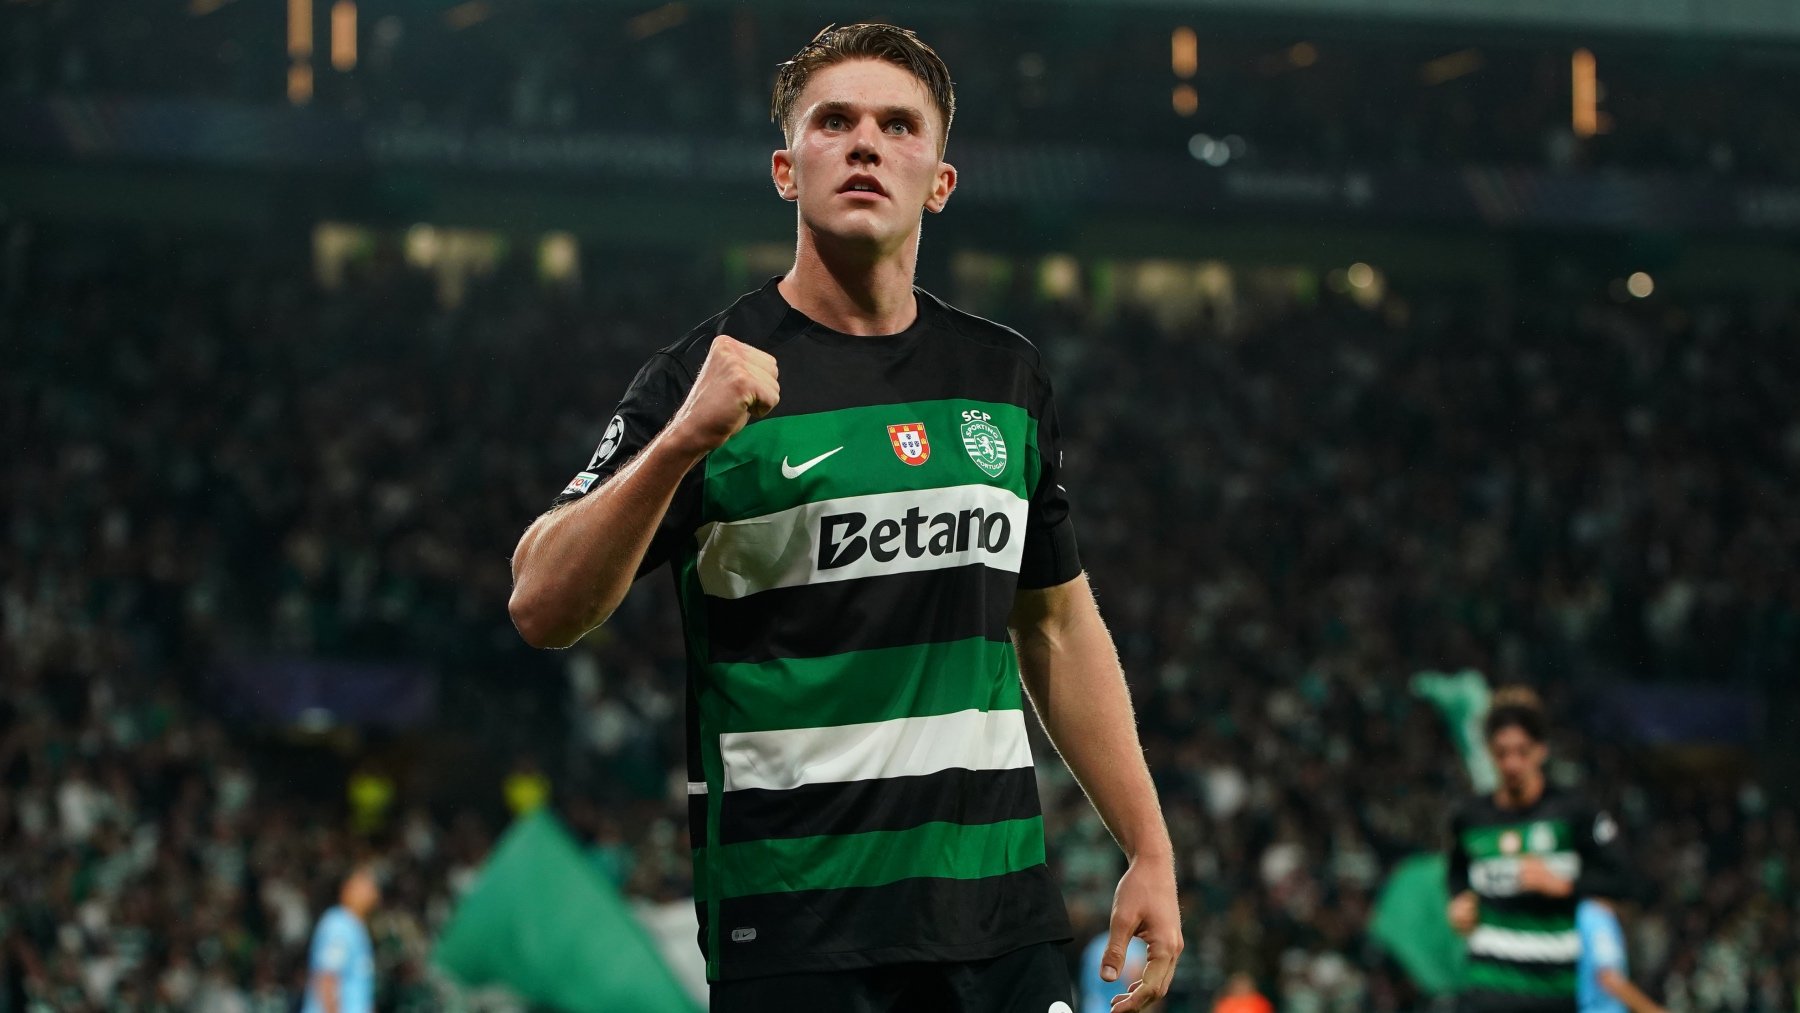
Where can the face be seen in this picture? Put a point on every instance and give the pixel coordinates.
(1517, 757)
(361, 892)
(862, 161)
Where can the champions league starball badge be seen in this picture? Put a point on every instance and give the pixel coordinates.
(609, 442)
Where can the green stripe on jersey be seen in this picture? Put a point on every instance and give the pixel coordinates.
(744, 478)
(879, 857)
(1535, 837)
(1513, 980)
(863, 686)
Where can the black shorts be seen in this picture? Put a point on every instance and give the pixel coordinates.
(1030, 980)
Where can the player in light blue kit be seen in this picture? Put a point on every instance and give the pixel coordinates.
(1601, 977)
(341, 972)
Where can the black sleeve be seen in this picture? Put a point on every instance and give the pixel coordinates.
(1456, 875)
(1050, 557)
(1603, 867)
(651, 400)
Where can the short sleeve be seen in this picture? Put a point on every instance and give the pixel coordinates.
(331, 947)
(1602, 938)
(649, 403)
(1604, 870)
(1050, 556)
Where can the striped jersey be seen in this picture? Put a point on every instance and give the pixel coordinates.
(1524, 949)
(861, 785)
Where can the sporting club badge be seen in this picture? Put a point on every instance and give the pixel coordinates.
(1543, 838)
(910, 443)
(982, 439)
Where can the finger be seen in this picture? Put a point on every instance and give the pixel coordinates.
(1112, 960)
(1159, 971)
(766, 394)
(1138, 998)
(761, 359)
(762, 378)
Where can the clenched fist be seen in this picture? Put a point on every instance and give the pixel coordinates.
(736, 384)
(1465, 911)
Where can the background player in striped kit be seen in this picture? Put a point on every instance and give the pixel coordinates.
(1521, 860)
(858, 489)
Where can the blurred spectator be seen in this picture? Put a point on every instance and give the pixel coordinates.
(1241, 996)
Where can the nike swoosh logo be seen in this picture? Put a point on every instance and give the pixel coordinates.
(796, 470)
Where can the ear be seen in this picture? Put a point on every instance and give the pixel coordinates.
(781, 171)
(942, 188)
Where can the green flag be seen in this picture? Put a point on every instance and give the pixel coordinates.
(1462, 699)
(542, 921)
(1412, 924)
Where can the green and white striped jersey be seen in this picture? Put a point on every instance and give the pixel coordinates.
(861, 785)
(1523, 952)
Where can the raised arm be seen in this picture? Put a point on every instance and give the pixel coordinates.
(1072, 674)
(574, 564)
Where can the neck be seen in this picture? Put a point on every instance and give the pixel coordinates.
(1527, 794)
(855, 290)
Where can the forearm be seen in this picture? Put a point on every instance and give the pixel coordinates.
(326, 986)
(1072, 674)
(574, 565)
(1621, 988)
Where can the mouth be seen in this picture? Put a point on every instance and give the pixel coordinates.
(862, 187)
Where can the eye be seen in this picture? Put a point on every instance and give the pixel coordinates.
(899, 127)
(835, 121)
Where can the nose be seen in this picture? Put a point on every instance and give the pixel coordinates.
(864, 149)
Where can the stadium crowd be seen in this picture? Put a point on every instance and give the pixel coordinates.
(1286, 511)
(1328, 100)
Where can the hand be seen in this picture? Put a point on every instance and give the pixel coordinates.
(1465, 910)
(737, 383)
(1536, 877)
(1144, 906)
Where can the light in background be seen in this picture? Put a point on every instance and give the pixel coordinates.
(1451, 66)
(559, 258)
(300, 28)
(1584, 94)
(300, 83)
(465, 15)
(343, 35)
(1059, 277)
(1186, 101)
(300, 48)
(656, 21)
(1184, 52)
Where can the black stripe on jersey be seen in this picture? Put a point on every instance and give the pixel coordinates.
(945, 353)
(890, 610)
(890, 803)
(1477, 1000)
(913, 920)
